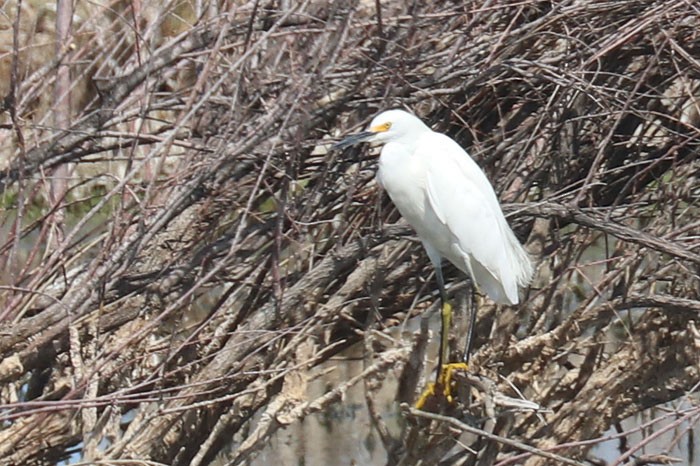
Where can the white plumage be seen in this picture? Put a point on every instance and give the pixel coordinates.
(448, 200)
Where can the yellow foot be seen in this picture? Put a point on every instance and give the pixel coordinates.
(427, 394)
(444, 381)
(446, 374)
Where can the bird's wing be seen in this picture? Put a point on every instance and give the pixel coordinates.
(464, 201)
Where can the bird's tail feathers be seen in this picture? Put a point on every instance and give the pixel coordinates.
(521, 261)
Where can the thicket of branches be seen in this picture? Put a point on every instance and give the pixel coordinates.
(181, 246)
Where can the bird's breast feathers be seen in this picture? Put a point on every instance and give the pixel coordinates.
(402, 176)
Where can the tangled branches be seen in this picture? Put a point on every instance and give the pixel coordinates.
(182, 253)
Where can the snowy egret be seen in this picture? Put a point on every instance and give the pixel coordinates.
(447, 199)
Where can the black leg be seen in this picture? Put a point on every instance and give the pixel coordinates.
(472, 310)
(446, 321)
(445, 369)
(441, 284)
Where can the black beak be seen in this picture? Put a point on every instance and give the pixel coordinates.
(352, 140)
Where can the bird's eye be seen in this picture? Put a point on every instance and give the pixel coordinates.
(386, 126)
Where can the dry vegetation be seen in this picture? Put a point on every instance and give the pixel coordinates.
(178, 245)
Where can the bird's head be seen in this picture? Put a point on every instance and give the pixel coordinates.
(392, 125)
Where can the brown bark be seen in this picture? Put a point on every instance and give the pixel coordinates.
(216, 259)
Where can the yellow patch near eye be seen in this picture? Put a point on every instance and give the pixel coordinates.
(381, 128)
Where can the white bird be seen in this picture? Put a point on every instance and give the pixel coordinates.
(447, 199)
